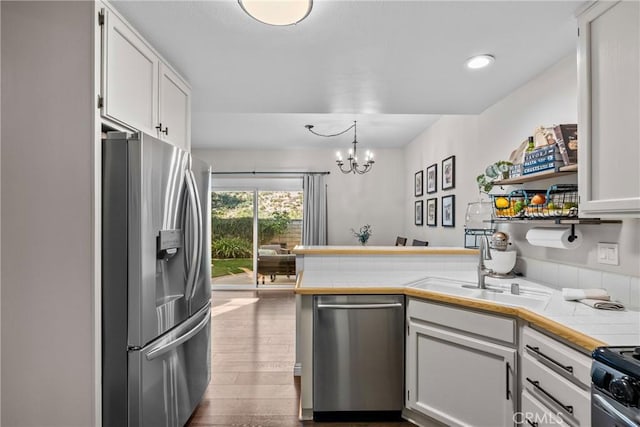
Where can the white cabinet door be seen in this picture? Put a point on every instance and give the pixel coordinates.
(609, 108)
(130, 76)
(459, 380)
(174, 108)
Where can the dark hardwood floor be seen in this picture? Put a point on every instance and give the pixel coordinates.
(252, 358)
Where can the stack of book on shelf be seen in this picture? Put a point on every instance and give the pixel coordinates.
(566, 137)
(542, 159)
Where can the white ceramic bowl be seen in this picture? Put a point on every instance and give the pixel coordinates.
(502, 262)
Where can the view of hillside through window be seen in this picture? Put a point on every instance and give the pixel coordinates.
(279, 227)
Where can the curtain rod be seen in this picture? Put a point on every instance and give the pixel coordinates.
(270, 173)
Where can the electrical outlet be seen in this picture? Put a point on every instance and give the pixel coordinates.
(608, 253)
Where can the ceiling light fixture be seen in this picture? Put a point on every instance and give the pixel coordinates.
(480, 61)
(277, 12)
(353, 166)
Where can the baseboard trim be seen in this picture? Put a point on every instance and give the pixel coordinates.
(305, 414)
(419, 419)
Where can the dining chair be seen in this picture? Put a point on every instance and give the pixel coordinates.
(401, 241)
(419, 243)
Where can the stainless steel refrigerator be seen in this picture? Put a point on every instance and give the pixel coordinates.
(156, 309)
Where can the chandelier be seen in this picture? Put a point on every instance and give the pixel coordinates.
(352, 166)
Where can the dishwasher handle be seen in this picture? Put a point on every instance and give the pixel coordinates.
(360, 306)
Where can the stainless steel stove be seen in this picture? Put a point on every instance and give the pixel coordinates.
(615, 387)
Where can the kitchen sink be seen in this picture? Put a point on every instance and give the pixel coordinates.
(528, 297)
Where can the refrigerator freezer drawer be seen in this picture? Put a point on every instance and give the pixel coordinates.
(167, 378)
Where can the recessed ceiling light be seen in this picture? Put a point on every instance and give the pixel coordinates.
(480, 61)
(277, 12)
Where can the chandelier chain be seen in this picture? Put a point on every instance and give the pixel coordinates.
(310, 128)
(352, 160)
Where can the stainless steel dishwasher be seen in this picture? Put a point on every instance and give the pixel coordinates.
(358, 357)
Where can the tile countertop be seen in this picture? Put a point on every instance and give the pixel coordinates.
(575, 322)
(381, 250)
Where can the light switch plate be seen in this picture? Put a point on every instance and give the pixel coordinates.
(608, 253)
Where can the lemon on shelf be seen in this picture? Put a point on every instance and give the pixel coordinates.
(502, 203)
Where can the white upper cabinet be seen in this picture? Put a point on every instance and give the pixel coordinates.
(139, 90)
(609, 109)
(130, 76)
(174, 108)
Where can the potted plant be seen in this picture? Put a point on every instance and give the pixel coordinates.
(496, 171)
(363, 234)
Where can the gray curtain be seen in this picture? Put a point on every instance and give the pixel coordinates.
(314, 222)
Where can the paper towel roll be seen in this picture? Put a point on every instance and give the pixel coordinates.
(552, 237)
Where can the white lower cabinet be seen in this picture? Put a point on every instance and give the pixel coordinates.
(535, 414)
(455, 377)
(555, 380)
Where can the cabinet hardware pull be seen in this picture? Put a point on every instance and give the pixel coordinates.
(159, 127)
(532, 423)
(507, 385)
(536, 384)
(166, 130)
(537, 351)
(362, 306)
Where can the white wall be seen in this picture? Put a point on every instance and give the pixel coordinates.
(48, 137)
(478, 141)
(0, 217)
(375, 198)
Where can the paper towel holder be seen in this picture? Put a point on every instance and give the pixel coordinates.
(573, 235)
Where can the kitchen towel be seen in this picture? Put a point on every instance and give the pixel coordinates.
(602, 305)
(571, 294)
(550, 237)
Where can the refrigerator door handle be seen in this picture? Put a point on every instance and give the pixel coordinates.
(165, 348)
(197, 237)
(193, 265)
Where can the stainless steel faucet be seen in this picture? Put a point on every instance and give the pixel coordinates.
(485, 255)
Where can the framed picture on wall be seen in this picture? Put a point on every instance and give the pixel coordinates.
(449, 173)
(419, 212)
(449, 211)
(432, 212)
(432, 179)
(418, 184)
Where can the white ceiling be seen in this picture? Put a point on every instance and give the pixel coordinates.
(392, 65)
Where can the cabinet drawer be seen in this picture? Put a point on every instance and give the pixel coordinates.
(557, 356)
(470, 322)
(534, 413)
(557, 392)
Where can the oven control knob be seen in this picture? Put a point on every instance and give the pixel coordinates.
(601, 378)
(623, 389)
